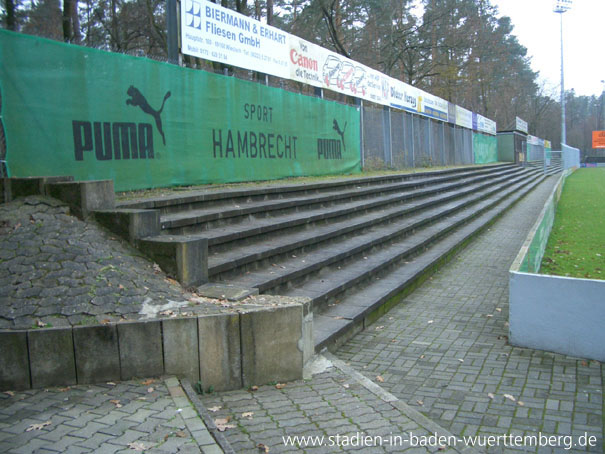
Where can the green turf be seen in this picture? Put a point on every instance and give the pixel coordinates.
(576, 245)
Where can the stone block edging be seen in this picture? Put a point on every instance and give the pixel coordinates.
(217, 352)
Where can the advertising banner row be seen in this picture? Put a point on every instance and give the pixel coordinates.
(212, 32)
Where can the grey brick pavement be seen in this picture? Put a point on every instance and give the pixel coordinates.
(150, 415)
(330, 404)
(444, 349)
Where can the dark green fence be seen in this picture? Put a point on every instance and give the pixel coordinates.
(70, 110)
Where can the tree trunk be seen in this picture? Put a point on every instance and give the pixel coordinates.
(67, 31)
(10, 15)
(269, 12)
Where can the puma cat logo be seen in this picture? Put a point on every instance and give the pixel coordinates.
(340, 133)
(138, 100)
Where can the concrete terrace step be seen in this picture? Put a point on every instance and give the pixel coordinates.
(281, 275)
(254, 228)
(358, 308)
(290, 241)
(203, 219)
(193, 199)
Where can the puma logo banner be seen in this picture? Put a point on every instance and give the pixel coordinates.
(120, 140)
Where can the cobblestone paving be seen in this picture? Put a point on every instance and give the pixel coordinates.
(329, 404)
(445, 351)
(56, 270)
(125, 417)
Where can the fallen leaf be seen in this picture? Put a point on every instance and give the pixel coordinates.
(584, 364)
(461, 360)
(105, 321)
(420, 402)
(116, 402)
(254, 388)
(37, 426)
(520, 403)
(137, 446)
(148, 382)
(499, 309)
(247, 414)
(214, 409)
(110, 383)
(121, 287)
(379, 379)
(263, 448)
(9, 393)
(509, 397)
(346, 386)
(421, 356)
(64, 389)
(181, 434)
(150, 389)
(489, 315)
(490, 395)
(40, 324)
(378, 328)
(222, 424)
(280, 386)
(157, 268)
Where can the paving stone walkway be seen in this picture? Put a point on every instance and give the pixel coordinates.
(153, 416)
(444, 350)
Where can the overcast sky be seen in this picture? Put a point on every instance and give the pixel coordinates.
(538, 28)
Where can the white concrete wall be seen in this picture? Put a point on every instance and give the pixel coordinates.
(558, 314)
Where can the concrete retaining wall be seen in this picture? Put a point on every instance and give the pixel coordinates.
(557, 314)
(224, 352)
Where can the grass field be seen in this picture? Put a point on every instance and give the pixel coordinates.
(576, 246)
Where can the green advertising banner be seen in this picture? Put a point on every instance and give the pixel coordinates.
(70, 110)
(485, 148)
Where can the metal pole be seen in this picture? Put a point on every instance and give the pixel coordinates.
(361, 148)
(443, 144)
(563, 130)
(390, 140)
(172, 27)
(413, 151)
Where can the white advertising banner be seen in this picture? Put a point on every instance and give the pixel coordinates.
(212, 32)
(464, 117)
(562, 5)
(215, 33)
(521, 125)
(533, 140)
(486, 125)
(317, 66)
(403, 96)
(433, 106)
